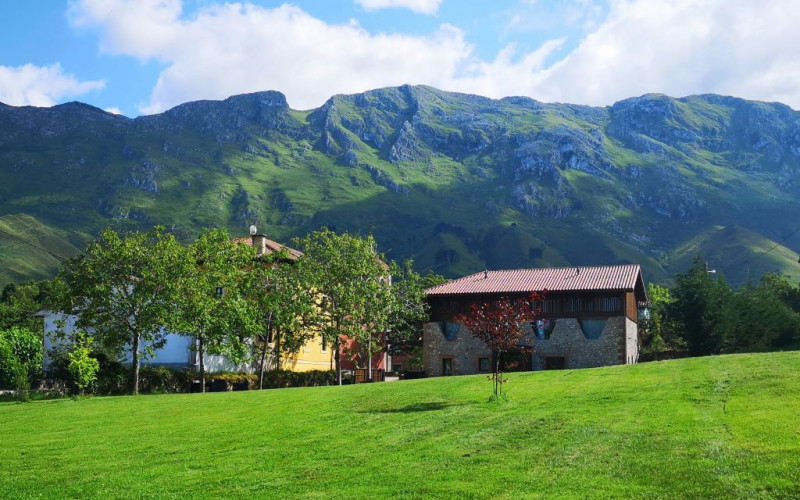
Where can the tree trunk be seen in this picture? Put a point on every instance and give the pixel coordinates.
(276, 358)
(369, 358)
(338, 360)
(496, 373)
(202, 365)
(263, 358)
(135, 356)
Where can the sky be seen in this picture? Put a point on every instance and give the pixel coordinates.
(137, 57)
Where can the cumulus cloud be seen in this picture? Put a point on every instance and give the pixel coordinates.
(682, 47)
(429, 7)
(235, 48)
(677, 47)
(113, 110)
(31, 85)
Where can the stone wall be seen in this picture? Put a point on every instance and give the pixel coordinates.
(568, 341)
(464, 350)
(617, 344)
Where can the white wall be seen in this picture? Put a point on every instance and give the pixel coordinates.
(175, 353)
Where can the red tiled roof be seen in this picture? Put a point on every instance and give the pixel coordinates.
(266, 246)
(561, 279)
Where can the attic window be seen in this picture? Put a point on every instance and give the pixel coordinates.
(592, 328)
(449, 330)
(543, 328)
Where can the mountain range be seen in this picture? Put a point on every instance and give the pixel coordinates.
(457, 182)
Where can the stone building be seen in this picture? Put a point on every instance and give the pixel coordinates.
(589, 317)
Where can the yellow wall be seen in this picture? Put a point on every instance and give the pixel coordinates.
(310, 357)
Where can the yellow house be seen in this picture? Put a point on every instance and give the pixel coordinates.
(315, 354)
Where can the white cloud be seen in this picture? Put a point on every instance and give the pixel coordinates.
(31, 85)
(429, 7)
(235, 48)
(113, 110)
(681, 47)
(677, 47)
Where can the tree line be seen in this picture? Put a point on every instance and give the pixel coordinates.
(701, 314)
(127, 292)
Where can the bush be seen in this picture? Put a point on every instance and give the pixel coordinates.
(160, 380)
(284, 378)
(20, 359)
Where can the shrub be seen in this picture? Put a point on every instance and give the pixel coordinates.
(82, 367)
(160, 380)
(20, 359)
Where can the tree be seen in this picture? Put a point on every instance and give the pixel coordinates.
(20, 358)
(500, 326)
(279, 301)
(755, 318)
(82, 366)
(121, 290)
(352, 289)
(19, 302)
(210, 303)
(658, 328)
(697, 309)
(409, 310)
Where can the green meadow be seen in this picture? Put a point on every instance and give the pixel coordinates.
(714, 427)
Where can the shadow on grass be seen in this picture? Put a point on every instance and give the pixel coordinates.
(414, 408)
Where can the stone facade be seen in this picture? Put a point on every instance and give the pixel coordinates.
(566, 347)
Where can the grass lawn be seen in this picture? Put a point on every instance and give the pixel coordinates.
(716, 427)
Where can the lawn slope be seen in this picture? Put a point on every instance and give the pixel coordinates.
(716, 427)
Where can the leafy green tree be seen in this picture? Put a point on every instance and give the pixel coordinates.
(352, 289)
(697, 308)
(757, 319)
(121, 290)
(210, 303)
(280, 302)
(409, 311)
(782, 287)
(20, 358)
(659, 332)
(19, 302)
(82, 366)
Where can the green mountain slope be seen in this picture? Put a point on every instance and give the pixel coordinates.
(32, 250)
(713, 427)
(457, 182)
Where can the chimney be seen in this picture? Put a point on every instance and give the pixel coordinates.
(485, 274)
(258, 243)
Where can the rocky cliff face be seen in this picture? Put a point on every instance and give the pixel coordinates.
(431, 173)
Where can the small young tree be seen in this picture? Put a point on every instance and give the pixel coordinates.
(500, 325)
(121, 289)
(82, 366)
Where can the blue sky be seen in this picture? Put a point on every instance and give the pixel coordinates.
(145, 56)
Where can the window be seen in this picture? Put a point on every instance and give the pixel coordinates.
(592, 328)
(397, 368)
(543, 327)
(555, 362)
(324, 344)
(450, 330)
(447, 366)
(483, 364)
